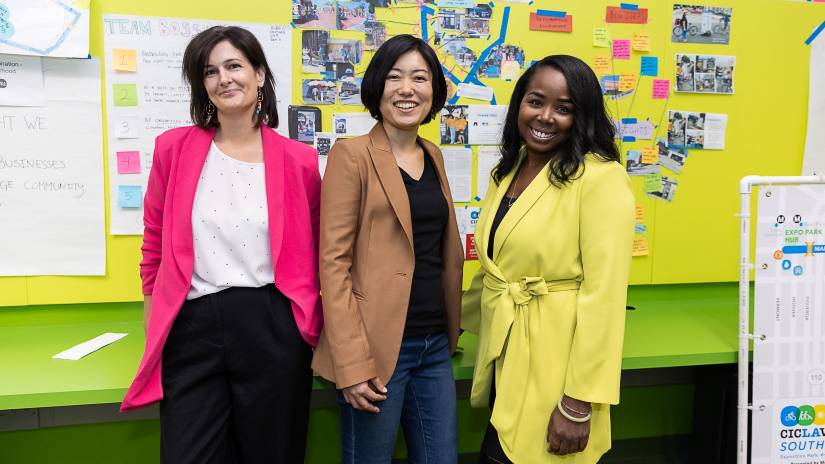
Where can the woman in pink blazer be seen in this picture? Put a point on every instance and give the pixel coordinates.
(229, 268)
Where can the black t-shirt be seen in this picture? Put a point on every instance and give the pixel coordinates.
(503, 207)
(430, 213)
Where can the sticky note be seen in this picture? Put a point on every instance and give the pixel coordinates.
(621, 49)
(628, 82)
(649, 66)
(661, 88)
(129, 196)
(639, 213)
(640, 229)
(128, 162)
(124, 94)
(126, 127)
(629, 121)
(563, 23)
(641, 41)
(653, 183)
(615, 14)
(124, 59)
(510, 70)
(601, 37)
(601, 64)
(650, 155)
(640, 246)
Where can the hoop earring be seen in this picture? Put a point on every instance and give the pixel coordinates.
(210, 110)
(260, 100)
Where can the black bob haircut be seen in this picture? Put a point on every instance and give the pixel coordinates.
(196, 57)
(372, 87)
(592, 131)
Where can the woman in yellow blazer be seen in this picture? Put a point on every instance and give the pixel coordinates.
(391, 267)
(555, 240)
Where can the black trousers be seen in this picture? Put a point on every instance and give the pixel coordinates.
(236, 380)
(491, 451)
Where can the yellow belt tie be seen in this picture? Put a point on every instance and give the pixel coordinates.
(510, 301)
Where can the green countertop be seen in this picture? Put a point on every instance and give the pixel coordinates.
(672, 325)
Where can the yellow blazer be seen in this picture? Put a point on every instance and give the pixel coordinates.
(549, 307)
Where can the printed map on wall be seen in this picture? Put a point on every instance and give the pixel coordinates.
(57, 28)
(145, 96)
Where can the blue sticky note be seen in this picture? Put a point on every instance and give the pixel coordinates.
(629, 6)
(641, 229)
(629, 121)
(551, 13)
(628, 138)
(650, 66)
(129, 196)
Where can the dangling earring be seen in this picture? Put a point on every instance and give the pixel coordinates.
(210, 110)
(260, 100)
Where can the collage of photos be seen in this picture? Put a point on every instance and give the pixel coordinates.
(347, 15)
(500, 58)
(635, 167)
(672, 158)
(705, 73)
(696, 130)
(471, 23)
(701, 24)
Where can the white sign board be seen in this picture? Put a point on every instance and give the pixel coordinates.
(146, 96)
(57, 28)
(51, 177)
(789, 327)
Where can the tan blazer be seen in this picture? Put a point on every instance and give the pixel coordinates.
(367, 260)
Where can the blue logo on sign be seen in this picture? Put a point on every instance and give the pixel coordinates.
(797, 270)
(789, 416)
(786, 264)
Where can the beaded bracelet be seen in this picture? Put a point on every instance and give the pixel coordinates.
(573, 410)
(572, 418)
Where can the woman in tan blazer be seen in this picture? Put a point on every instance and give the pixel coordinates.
(391, 263)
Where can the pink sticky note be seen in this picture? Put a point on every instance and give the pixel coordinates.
(128, 162)
(621, 49)
(661, 88)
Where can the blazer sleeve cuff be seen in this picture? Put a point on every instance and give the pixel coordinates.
(356, 373)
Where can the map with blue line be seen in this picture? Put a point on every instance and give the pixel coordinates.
(45, 28)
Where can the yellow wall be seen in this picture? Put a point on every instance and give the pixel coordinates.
(693, 239)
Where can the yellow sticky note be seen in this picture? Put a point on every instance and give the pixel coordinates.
(510, 70)
(124, 59)
(601, 64)
(639, 214)
(627, 82)
(640, 246)
(601, 37)
(650, 155)
(640, 41)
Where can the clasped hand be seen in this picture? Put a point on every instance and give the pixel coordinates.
(361, 395)
(565, 436)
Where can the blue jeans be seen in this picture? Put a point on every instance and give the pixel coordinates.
(421, 396)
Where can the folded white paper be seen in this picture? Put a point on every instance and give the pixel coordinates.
(78, 351)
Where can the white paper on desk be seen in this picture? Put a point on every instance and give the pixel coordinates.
(351, 124)
(488, 157)
(78, 351)
(21, 80)
(458, 162)
(474, 91)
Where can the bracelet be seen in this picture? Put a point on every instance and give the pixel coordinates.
(571, 418)
(567, 406)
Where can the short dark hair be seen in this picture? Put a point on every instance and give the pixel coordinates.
(592, 132)
(372, 87)
(196, 57)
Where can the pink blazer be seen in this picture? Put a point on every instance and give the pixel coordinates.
(293, 187)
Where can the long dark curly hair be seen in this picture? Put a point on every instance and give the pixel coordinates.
(592, 131)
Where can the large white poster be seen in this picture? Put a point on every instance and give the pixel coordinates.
(58, 28)
(146, 96)
(51, 177)
(789, 327)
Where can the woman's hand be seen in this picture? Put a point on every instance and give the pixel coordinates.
(361, 395)
(565, 436)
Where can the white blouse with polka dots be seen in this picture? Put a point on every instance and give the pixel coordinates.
(230, 226)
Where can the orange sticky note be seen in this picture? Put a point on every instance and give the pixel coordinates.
(640, 246)
(640, 41)
(124, 59)
(650, 155)
(601, 64)
(640, 214)
(628, 82)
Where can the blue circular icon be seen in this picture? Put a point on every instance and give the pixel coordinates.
(797, 270)
(786, 264)
(789, 416)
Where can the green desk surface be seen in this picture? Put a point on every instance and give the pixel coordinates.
(672, 325)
